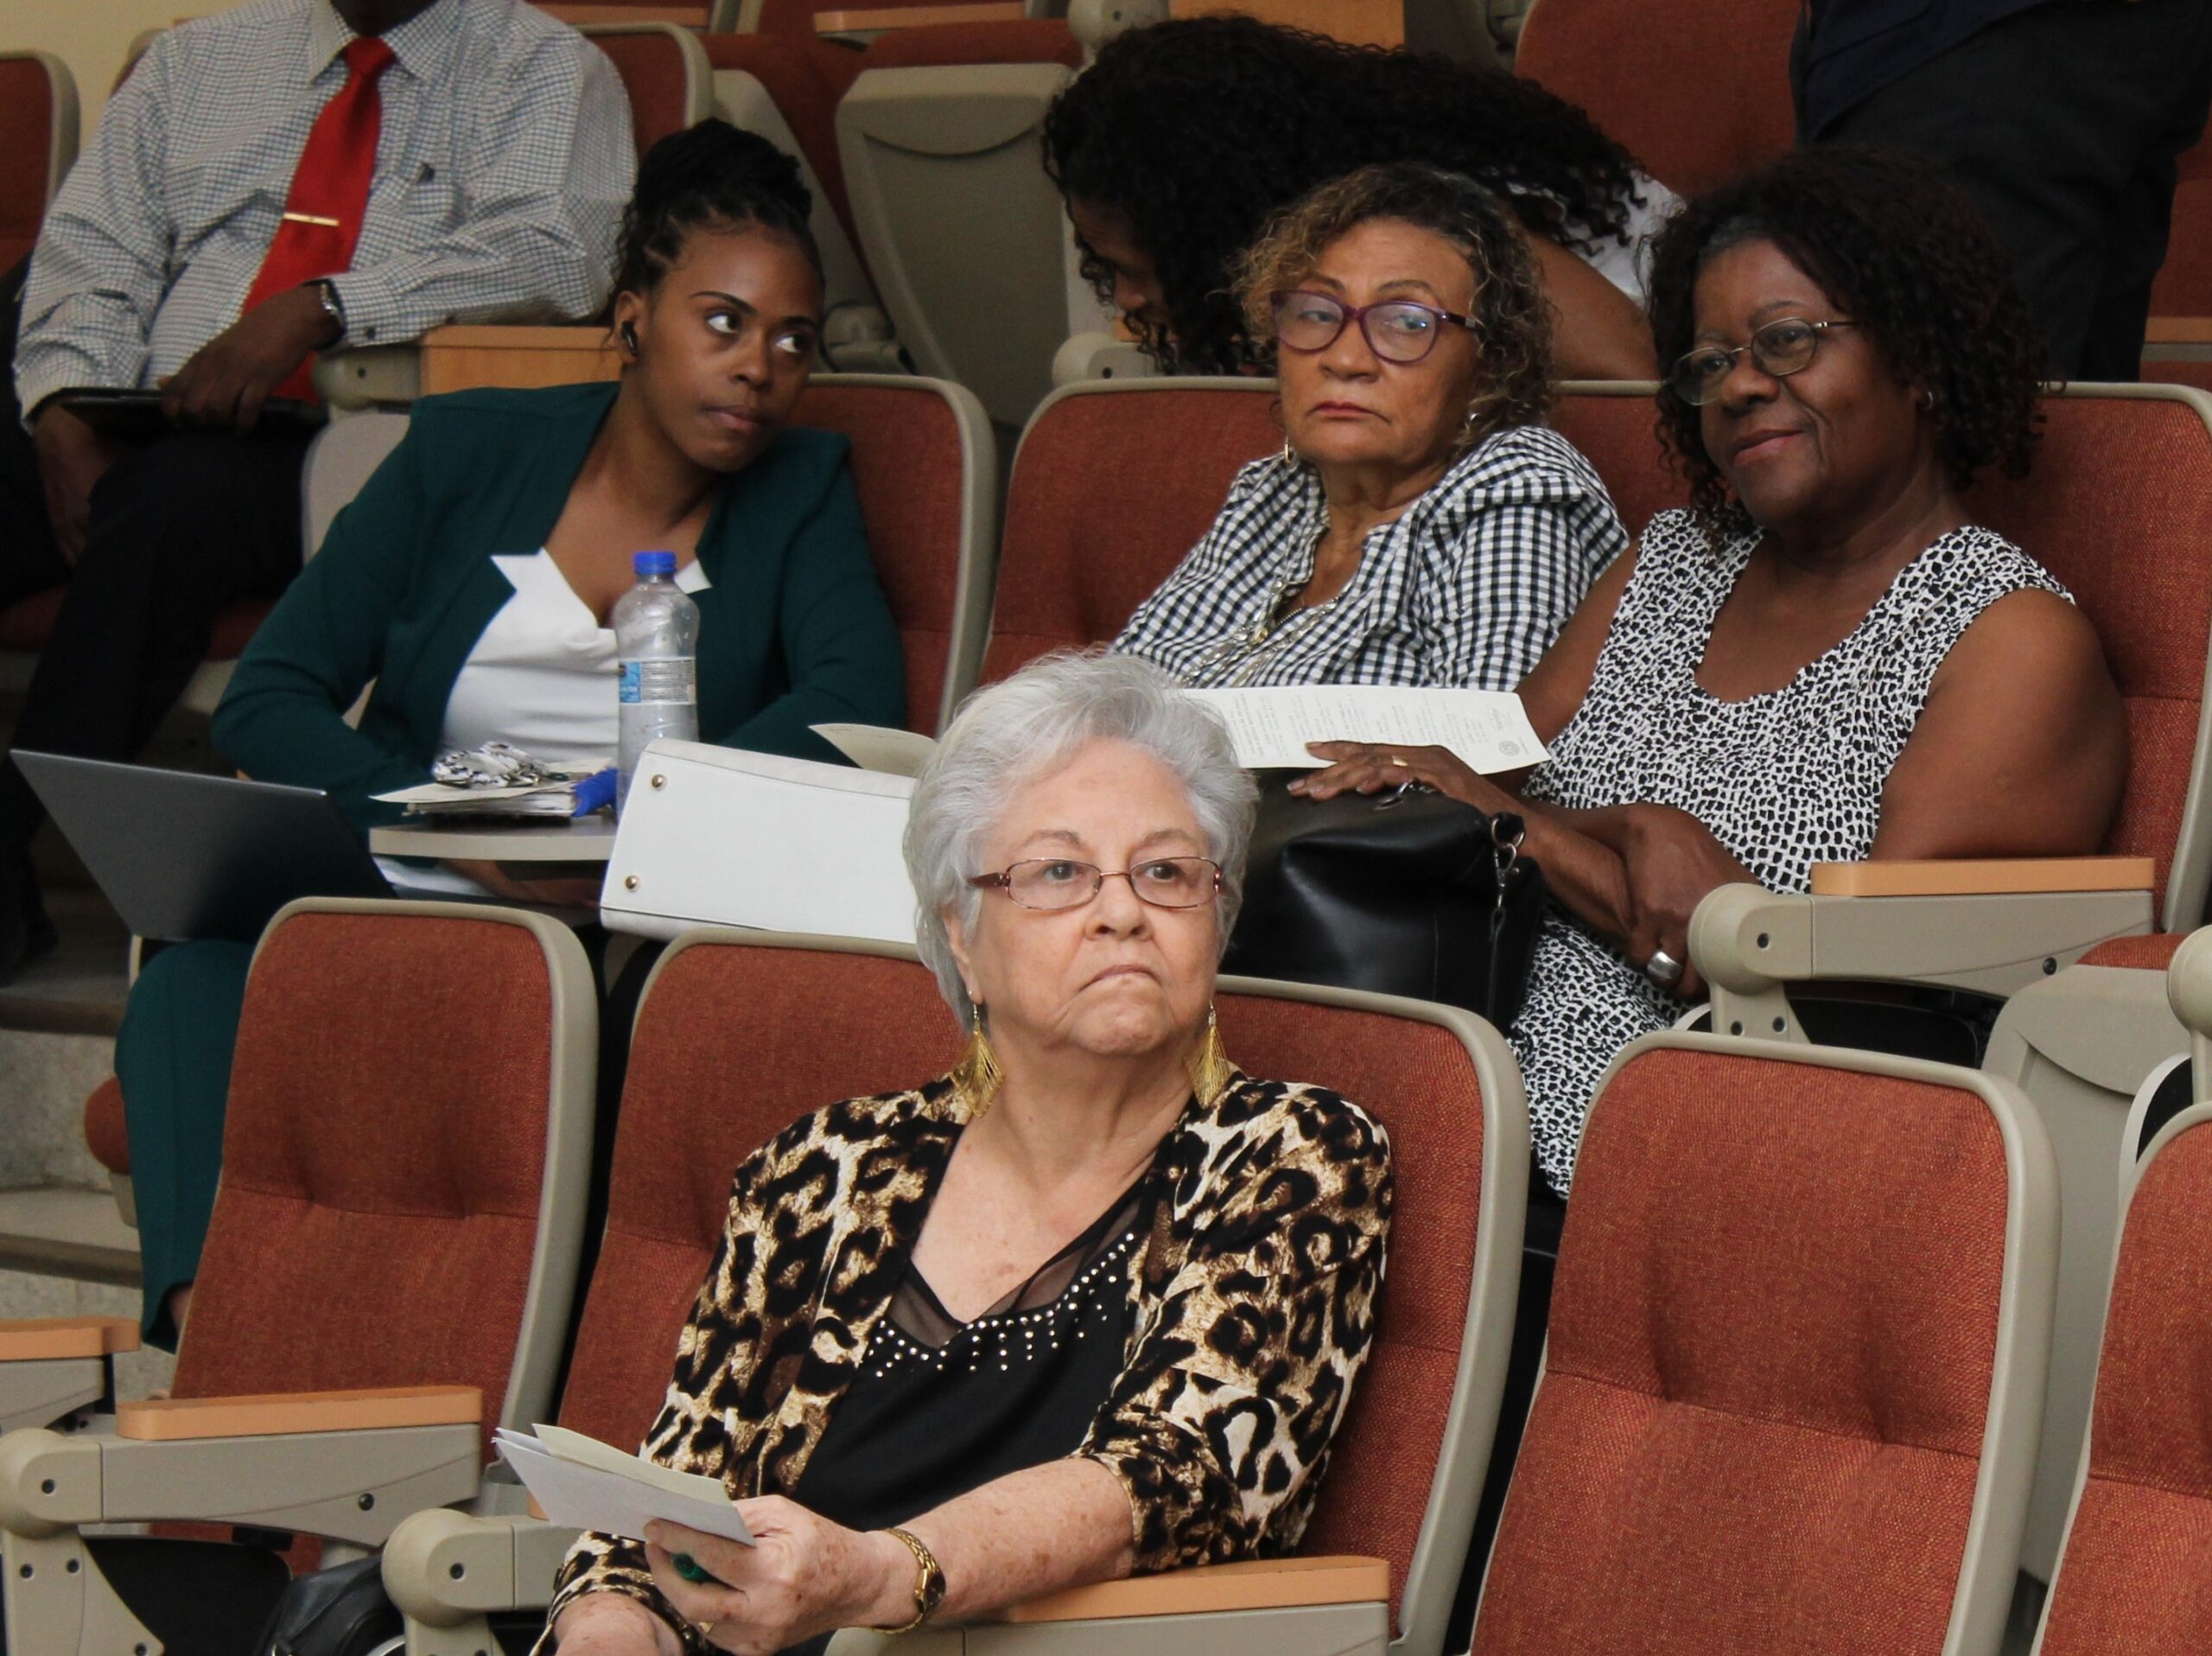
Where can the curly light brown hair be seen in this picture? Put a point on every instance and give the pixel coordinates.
(1511, 318)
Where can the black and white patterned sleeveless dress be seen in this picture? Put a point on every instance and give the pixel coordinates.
(1783, 780)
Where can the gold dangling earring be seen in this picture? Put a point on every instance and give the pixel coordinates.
(1211, 1070)
(1289, 455)
(978, 1076)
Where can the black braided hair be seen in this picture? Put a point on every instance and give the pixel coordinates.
(1906, 255)
(711, 175)
(1198, 130)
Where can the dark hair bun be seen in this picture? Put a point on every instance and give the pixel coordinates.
(712, 174)
(714, 157)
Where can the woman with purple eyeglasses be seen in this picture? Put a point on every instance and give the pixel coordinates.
(1422, 525)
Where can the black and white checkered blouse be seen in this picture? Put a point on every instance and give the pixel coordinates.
(1467, 587)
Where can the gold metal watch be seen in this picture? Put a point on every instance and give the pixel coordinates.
(929, 1580)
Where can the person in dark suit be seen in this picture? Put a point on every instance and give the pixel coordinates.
(2063, 119)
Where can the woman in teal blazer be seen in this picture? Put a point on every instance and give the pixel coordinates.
(717, 312)
(793, 629)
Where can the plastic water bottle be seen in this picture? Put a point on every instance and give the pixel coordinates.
(657, 636)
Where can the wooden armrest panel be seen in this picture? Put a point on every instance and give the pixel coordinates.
(2178, 330)
(1257, 1584)
(170, 1419)
(32, 1338)
(1976, 877)
(877, 19)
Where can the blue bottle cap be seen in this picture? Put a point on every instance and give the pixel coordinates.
(654, 563)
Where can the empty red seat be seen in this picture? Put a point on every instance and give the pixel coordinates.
(1111, 485)
(1794, 1376)
(2132, 1580)
(1699, 94)
(38, 136)
(2183, 287)
(664, 70)
(1619, 433)
(923, 464)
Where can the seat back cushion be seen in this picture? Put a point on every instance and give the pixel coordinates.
(1619, 436)
(733, 1044)
(1736, 53)
(2184, 286)
(1109, 491)
(658, 77)
(2139, 1554)
(26, 139)
(1038, 40)
(1418, 1080)
(378, 1206)
(1772, 1339)
(908, 469)
(2119, 507)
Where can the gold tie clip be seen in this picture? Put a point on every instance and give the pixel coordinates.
(312, 218)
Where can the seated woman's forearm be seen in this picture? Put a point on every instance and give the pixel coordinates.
(1583, 869)
(1041, 1530)
(611, 1624)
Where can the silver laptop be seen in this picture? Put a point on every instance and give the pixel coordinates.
(183, 856)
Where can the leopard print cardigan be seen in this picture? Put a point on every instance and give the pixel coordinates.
(1257, 1289)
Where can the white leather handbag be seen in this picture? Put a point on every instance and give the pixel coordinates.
(719, 837)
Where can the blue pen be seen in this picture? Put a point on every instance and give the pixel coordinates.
(595, 793)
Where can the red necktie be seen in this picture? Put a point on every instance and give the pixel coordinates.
(329, 193)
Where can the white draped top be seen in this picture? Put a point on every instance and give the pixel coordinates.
(543, 675)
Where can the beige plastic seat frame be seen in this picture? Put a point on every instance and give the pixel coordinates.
(448, 1571)
(1989, 1563)
(347, 1467)
(970, 249)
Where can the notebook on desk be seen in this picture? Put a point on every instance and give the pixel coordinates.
(184, 857)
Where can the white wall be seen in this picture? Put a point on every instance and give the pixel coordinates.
(90, 35)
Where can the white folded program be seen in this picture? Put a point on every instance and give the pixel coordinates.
(581, 1483)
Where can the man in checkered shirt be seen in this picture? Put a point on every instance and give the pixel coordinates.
(502, 157)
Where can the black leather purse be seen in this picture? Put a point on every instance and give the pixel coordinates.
(1403, 893)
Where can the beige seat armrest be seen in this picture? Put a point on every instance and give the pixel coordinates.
(172, 1419)
(443, 1567)
(1259, 1584)
(1747, 942)
(43, 1338)
(1969, 876)
(370, 376)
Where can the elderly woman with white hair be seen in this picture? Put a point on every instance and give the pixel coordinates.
(1094, 1303)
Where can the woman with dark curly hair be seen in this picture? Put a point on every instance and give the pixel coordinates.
(1823, 659)
(1179, 141)
(1422, 525)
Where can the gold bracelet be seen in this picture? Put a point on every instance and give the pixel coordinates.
(929, 1580)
